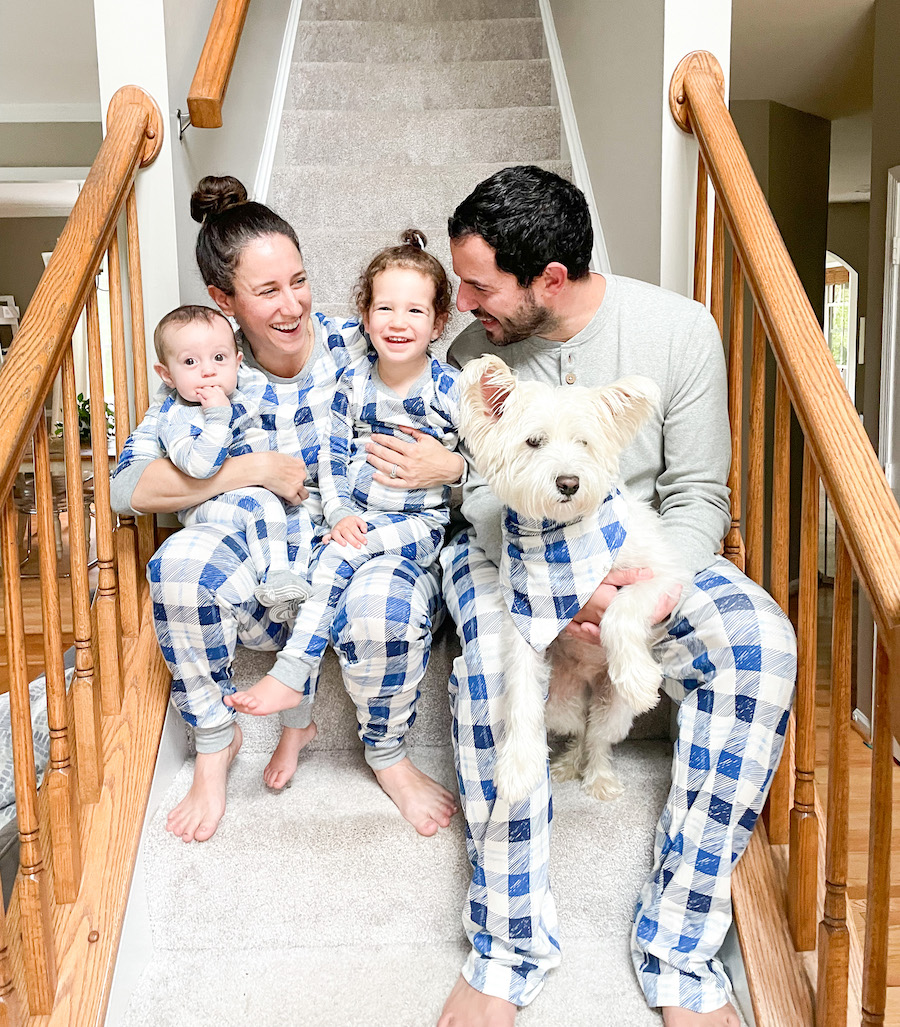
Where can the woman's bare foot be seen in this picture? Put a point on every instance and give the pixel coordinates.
(727, 1016)
(423, 802)
(466, 1007)
(280, 768)
(267, 696)
(197, 816)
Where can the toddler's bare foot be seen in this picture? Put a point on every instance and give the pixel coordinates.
(466, 1007)
(267, 696)
(423, 802)
(727, 1016)
(197, 816)
(280, 768)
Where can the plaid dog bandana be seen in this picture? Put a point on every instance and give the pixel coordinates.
(548, 571)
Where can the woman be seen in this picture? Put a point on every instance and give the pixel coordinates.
(202, 581)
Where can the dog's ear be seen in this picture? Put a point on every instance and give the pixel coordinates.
(626, 405)
(487, 383)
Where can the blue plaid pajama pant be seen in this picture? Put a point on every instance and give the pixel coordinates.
(201, 584)
(260, 516)
(729, 660)
(416, 537)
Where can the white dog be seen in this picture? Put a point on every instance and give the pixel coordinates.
(551, 456)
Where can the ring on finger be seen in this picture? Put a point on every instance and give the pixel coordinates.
(394, 471)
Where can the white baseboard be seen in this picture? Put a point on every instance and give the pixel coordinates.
(273, 125)
(580, 172)
(860, 718)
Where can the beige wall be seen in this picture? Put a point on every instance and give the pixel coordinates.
(22, 240)
(613, 55)
(72, 144)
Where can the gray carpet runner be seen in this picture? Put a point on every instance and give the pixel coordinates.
(320, 905)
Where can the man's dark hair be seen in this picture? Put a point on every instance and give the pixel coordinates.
(530, 217)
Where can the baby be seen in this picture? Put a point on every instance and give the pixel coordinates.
(214, 408)
(403, 298)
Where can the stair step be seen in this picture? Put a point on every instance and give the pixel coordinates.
(417, 10)
(512, 134)
(402, 985)
(332, 855)
(380, 197)
(371, 42)
(411, 86)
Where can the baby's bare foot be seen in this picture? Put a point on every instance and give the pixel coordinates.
(197, 816)
(727, 1016)
(267, 696)
(427, 805)
(466, 1007)
(280, 768)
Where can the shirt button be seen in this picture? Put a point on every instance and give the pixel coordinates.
(570, 379)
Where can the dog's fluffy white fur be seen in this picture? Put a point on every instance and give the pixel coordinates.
(524, 437)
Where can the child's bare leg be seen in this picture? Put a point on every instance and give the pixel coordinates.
(281, 767)
(727, 1016)
(197, 816)
(427, 805)
(268, 695)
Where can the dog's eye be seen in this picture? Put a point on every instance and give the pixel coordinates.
(582, 442)
(536, 441)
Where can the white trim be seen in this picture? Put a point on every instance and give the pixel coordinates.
(28, 112)
(43, 174)
(890, 336)
(833, 260)
(573, 138)
(273, 126)
(35, 210)
(860, 718)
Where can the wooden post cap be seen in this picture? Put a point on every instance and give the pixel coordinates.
(127, 95)
(699, 60)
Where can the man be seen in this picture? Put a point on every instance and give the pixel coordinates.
(521, 244)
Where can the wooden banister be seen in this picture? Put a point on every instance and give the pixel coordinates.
(207, 92)
(133, 139)
(856, 485)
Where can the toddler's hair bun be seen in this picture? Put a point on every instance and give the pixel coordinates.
(214, 194)
(415, 238)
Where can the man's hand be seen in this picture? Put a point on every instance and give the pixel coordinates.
(585, 625)
(348, 529)
(212, 396)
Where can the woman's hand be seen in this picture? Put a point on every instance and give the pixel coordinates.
(279, 473)
(416, 466)
(348, 529)
(585, 625)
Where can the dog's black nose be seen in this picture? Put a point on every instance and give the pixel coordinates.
(567, 484)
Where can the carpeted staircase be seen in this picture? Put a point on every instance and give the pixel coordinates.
(320, 905)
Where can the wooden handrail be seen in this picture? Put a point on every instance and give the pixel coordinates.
(855, 483)
(207, 92)
(133, 139)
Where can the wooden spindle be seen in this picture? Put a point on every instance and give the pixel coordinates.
(10, 1010)
(145, 524)
(106, 601)
(778, 807)
(804, 834)
(717, 288)
(59, 780)
(35, 911)
(734, 542)
(878, 891)
(756, 452)
(126, 537)
(85, 684)
(700, 234)
(834, 935)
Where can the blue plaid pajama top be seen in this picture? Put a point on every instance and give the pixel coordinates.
(362, 406)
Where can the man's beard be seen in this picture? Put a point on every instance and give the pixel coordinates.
(528, 320)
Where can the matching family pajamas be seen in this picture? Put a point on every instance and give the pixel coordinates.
(405, 523)
(727, 658)
(202, 579)
(197, 440)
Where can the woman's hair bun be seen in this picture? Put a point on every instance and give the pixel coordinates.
(214, 194)
(414, 237)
